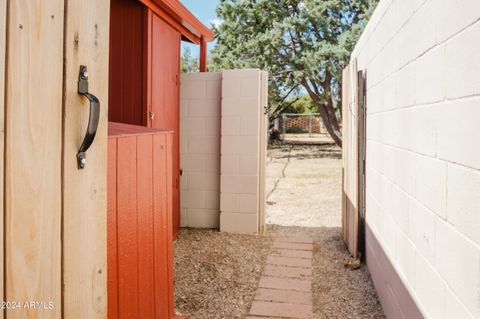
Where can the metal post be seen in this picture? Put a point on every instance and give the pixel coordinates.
(310, 126)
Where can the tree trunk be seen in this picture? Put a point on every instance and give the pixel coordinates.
(329, 120)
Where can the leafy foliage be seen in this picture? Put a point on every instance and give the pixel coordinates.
(304, 44)
(302, 105)
(188, 63)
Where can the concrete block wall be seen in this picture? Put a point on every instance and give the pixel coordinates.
(200, 120)
(242, 160)
(223, 149)
(422, 59)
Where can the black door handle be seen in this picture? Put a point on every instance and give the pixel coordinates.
(92, 120)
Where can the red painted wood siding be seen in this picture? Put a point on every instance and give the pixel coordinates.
(126, 75)
(165, 96)
(140, 256)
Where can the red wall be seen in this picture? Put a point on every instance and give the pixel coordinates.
(126, 89)
(144, 77)
(165, 95)
(140, 257)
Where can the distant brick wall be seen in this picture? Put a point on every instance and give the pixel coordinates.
(423, 160)
(303, 124)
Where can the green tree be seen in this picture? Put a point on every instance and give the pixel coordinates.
(188, 63)
(302, 105)
(302, 43)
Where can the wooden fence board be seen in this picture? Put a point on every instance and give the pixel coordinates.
(162, 211)
(85, 191)
(145, 225)
(169, 160)
(33, 155)
(112, 230)
(141, 265)
(128, 248)
(3, 33)
(350, 216)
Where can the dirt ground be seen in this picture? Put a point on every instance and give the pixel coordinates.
(304, 187)
(216, 274)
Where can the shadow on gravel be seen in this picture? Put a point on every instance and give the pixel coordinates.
(326, 150)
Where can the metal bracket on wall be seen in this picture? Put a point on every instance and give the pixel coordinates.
(93, 118)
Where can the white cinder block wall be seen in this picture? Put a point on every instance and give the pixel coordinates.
(223, 149)
(242, 161)
(422, 59)
(200, 119)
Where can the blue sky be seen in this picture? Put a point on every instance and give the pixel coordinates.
(204, 10)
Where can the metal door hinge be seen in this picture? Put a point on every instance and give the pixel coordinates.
(151, 115)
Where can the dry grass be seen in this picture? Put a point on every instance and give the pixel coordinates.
(216, 274)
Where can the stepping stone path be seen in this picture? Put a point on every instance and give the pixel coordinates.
(285, 288)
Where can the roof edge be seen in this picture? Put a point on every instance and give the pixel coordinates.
(186, 18)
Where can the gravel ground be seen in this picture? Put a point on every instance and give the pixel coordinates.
(339, 292)
(216, 274)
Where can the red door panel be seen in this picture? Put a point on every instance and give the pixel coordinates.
(165, 92)
(140, 259)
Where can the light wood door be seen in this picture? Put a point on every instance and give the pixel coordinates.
(165, 103)
(354, 157)
(55, 214)
(33, 156)
(84, 238)
(3, 33)
(350, 152)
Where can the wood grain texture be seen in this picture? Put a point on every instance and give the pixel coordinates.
(165, 103)
(112, 234)
(263, 148)
(145, 225)
(33, 155)
(350, 197)
(3, 33)
(139, 212)
(169, 157)
(127, 223)
(345, 104)
(85, 191)
(162, 209)
(126, 73)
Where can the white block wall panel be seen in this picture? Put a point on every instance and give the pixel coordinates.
(454, 16)
(200, 121)
(242, 161)
(429, 287)
(458, 261)
(463, 201)
(423, 160)
(431, 184)
(454, 307)
(430, 76)
(422, 229)
(458, 132)
(405, 256)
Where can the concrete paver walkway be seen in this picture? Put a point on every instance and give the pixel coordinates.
(285, 288)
